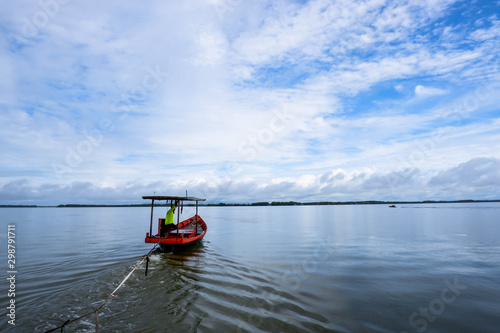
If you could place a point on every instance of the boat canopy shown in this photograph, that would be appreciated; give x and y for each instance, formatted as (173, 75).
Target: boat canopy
(173, 198)
(169, 197)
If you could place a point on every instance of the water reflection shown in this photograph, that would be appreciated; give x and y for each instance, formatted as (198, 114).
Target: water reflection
(329, 269)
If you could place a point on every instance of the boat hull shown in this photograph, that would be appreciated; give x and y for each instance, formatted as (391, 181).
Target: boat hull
(189, 231)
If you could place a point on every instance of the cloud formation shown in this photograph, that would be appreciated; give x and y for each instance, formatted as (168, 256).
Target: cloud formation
(421, 91)
(247, 100)
(477, 179)
(479, 176)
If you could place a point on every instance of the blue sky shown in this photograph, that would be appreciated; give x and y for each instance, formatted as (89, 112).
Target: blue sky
(244, 101)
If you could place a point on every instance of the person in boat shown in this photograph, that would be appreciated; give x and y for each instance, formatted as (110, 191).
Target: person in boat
(169, 221)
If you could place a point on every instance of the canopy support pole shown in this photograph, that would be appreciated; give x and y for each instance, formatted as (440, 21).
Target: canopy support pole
(178, 217)
(151, 221)
(196, 217)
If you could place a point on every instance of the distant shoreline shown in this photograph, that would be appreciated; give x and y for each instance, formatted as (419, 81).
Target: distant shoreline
(262, 203)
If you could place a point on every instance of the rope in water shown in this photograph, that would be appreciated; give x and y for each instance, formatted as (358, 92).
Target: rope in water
(96, 310)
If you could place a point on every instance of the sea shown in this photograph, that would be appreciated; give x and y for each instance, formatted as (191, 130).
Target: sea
(343, 268)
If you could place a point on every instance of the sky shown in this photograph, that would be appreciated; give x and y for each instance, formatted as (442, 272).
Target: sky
(242, 101)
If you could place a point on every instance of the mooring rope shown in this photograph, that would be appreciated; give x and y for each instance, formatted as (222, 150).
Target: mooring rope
(96, 310)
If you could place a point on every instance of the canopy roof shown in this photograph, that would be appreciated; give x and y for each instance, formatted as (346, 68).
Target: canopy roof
(169, 197)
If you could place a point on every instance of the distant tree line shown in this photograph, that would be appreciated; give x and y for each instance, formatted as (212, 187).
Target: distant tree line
(264, 203)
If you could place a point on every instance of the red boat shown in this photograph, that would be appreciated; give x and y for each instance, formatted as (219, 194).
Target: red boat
(186, 232)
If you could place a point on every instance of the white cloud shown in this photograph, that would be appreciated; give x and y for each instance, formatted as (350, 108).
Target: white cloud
(488, 34)
(479, 177)
(212, 47)
(421, 91)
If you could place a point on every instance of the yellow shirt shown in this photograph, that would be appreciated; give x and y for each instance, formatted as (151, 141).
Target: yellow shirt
(169, 218)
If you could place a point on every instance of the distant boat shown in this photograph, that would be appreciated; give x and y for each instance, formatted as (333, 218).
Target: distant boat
(186, 232)
(392, 206)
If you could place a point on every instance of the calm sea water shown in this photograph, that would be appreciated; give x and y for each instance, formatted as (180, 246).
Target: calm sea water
(415, 268)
